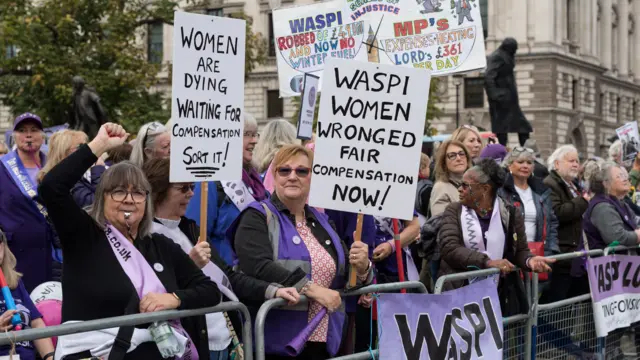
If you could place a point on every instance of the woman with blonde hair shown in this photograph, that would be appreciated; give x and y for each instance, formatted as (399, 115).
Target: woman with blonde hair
(470, 137)
(29, 315)
(61, 145)
(276, 134)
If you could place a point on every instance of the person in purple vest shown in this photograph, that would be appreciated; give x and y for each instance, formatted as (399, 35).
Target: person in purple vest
(22, 217)
(608, 218)
(282, 240)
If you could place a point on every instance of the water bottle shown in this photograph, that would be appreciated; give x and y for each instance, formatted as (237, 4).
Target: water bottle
(165, 339)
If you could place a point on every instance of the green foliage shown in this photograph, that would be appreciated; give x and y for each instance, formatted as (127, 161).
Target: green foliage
(433, 111)
(256, 46)
(100, 40)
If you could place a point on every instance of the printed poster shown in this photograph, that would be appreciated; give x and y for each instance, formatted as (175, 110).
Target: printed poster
(307, 36)
(369, 138)
(630, 141)
(465, 323)
(207, 98)
(308, 107)
(615, 291)
(444, 36)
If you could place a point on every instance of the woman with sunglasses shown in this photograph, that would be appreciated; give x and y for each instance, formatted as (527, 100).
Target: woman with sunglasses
(153, 140)
(113, 264)
(170, 204)
(532, 198)
(485, 231)
(282, 240)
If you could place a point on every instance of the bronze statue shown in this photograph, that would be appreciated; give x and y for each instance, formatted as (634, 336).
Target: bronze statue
(500, 85)
(88, 114)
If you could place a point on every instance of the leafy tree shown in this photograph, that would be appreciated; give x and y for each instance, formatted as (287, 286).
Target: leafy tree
(433, 111)
(50, 41)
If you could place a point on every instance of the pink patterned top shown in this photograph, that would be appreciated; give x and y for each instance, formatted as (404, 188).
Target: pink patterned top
(323, 270)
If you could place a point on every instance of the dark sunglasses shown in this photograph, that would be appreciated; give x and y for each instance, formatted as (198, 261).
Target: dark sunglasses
(520, 149)
(185, 188)
(285, 171)
(454, 155)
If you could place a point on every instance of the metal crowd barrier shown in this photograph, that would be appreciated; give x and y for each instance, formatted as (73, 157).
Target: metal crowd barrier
(516, 332)
(133, 320)
(261, 317)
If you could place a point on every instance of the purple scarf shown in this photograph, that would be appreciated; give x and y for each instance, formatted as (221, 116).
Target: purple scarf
(144, 279)
(252, 179)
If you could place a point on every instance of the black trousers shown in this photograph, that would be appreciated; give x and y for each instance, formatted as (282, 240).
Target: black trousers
(504, 137)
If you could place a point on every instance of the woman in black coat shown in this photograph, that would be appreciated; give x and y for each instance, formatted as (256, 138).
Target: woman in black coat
(113, 266)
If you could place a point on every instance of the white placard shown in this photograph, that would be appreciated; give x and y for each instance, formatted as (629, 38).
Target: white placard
(308, 106)
(207, 98)
(445, 37)
(369, 138)
(306, 36)
(630, 142)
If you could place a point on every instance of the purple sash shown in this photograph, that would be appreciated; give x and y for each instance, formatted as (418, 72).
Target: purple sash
(16, 169)
(144, 279)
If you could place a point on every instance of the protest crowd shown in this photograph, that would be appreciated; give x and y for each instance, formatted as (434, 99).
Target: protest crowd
(103, 223)
(101, 191)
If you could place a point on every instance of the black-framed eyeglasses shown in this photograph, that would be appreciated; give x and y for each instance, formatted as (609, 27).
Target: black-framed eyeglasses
(185, 188)
(152, 127)
(137, 196)
(454, 155)
(300, 171)
(252, 134)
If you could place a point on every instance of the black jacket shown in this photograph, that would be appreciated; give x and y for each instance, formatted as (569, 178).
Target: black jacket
(569, 211)
(95, 286)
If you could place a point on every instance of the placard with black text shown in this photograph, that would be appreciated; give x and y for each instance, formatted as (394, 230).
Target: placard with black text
(207, 98)
(368, 138)
(308, 106)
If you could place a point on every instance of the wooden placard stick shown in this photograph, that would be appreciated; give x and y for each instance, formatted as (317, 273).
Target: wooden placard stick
(356, 237)
(204, 196)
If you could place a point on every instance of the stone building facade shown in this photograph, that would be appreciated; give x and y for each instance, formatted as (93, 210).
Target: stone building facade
(577, 70)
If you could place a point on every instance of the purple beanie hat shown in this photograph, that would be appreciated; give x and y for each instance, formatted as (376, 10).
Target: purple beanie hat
(496, 152)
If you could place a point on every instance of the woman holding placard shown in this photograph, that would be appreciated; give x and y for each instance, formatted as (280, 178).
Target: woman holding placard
(226, 199)
(170, 203)
(113, 266)
(283, 240)
(484, 231)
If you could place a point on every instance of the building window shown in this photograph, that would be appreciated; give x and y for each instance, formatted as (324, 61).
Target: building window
(474, 92)
(602, 104)
(12, 51)
(272, 37)
(154, 43)
(575, 89)
(215, 12)
(484, 14)
(275, 105)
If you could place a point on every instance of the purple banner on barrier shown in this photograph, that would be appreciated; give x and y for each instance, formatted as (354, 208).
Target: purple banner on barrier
(613, 275)
(615, 290)
(459, 324)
